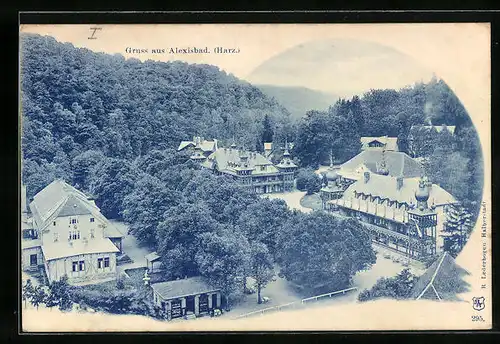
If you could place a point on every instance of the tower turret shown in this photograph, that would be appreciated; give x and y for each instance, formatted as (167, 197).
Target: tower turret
(198, 152)
(383, 170)
(422, 194)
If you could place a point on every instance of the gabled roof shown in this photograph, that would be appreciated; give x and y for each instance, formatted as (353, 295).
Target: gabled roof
(153, 256)
(228, 160)
(63, 248)
(386, 188)
(398, 164)
(60, 199)
(391, 143)
(183, 287)
(206, 146)
(73, 206)
(443, 280)
(439, 128)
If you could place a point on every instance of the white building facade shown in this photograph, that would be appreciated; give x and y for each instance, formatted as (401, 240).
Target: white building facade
(68, 235)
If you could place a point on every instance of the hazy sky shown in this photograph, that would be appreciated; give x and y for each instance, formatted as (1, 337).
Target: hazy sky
(314, 56)
(342, 67)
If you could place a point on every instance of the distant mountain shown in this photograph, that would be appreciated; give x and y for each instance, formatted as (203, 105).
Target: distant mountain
(344, 67)
(299, 100)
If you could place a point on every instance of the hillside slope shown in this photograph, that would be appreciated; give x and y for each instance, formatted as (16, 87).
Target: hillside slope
(299, 100)
(74, 100)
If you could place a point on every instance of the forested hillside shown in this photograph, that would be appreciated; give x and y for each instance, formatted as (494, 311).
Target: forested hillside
(75, 101)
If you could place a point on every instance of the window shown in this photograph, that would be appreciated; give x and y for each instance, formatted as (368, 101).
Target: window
(81, 265)
(99, 263)
(75, 266)
(92, 232)
(73, 235)
(54, 223)
(91, 219)
(106, 262)
(56, 237)
(33, 260)
(73, 221)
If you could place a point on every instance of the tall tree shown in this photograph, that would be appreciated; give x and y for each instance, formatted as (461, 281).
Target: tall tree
(82, 165)
(145, 205)
(111, 180)
(267, 133)
(179, 237)
(223, 258)
(457, 229)
(27, 291)
(261, 267)
(262, 221)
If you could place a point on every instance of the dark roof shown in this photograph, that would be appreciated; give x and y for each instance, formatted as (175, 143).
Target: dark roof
(73, 206)
(398, 163)
(183, 287)
(228, 160)
(443, 280)
(153, 256)
(391, 143)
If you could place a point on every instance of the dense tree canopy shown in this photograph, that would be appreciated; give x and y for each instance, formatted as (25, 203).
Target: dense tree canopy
(75, 100)
(321, 253)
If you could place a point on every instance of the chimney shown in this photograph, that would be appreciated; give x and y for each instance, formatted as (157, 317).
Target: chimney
(367, 176)
(399, 182)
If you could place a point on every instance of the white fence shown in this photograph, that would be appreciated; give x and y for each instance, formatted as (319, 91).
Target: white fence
(293, 305)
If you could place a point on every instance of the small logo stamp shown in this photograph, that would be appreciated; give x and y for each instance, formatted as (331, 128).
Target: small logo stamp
(478, 303)
(94, 29)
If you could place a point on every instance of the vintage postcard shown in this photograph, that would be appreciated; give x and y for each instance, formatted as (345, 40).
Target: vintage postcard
(255, 177)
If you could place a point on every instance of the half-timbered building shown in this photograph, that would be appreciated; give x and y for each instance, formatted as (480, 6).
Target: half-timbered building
(250, 169)
(404, 214)
(68, 235)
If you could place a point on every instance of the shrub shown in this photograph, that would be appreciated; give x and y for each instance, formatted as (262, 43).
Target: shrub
(120, 283)
(308, 180)
(398, 287)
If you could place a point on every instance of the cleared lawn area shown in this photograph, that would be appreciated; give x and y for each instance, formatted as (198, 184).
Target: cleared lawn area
(137, 274)
(311, 201)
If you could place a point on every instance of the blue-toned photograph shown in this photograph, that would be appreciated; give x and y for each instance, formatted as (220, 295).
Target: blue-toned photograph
(176, 190)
